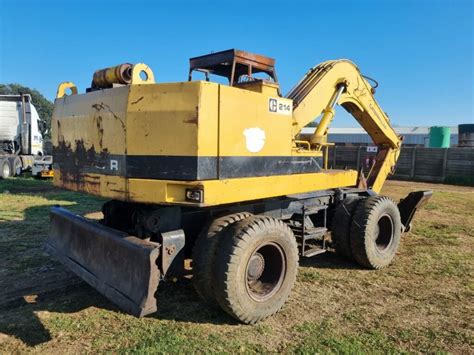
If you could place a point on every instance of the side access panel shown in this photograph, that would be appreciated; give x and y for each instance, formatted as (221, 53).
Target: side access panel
(172, 131)
(89, 142)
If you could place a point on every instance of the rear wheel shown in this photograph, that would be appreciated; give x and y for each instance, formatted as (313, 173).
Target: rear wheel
(204, 254)
(256, 269)
(375, 232)
(5, 169)
(341, 226)
(16, 166)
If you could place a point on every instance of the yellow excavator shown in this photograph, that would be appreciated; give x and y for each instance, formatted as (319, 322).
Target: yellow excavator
(214, 179)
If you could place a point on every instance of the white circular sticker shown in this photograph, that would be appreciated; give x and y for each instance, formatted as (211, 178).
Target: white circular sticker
(255, 139)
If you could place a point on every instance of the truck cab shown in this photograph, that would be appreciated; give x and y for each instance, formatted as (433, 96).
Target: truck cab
(21, 142)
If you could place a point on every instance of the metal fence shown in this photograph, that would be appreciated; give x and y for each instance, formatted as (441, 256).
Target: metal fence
(450, 165)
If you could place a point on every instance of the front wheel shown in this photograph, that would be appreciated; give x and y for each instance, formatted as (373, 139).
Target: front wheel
(375, 232)
(204, 254)
(5, 169)
(256, 268)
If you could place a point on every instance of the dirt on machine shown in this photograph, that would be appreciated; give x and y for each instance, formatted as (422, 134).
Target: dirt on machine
(214, 173)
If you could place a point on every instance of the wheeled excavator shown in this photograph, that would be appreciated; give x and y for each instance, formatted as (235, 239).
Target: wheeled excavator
(213, 180)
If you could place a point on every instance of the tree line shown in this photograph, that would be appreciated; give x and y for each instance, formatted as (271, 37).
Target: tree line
(42, 104)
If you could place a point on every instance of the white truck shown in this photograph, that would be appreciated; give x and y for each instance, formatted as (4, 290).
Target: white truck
(21, 142)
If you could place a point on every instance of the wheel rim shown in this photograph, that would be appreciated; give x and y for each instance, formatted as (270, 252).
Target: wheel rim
(384, 233)
(6, 170)
(265, 271)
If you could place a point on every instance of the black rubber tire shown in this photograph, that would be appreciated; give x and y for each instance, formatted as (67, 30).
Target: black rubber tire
(16, 166)
(241, 242)
(375, 232)
(341, 226)
(204, 253)
(5, 169)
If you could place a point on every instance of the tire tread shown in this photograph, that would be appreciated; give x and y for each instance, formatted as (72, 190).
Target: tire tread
(204, 254)
(341, 226)
(228, 261)
(366, 214)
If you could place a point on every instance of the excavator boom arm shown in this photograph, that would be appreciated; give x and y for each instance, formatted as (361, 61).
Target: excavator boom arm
(340, 81)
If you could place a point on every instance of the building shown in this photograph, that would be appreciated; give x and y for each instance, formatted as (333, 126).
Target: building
(412, 136)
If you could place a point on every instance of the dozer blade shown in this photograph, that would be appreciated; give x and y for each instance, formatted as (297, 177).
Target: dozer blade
(410, 204)
(121, 267)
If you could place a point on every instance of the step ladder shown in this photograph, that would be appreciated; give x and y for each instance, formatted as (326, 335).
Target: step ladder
(304, 234)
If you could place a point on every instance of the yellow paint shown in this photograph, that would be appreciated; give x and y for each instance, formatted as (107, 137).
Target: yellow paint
(113, 187)
(97, 119)
(47, 173)
(63, 87)
(137, 70)
(357, 99)
(173, 119)
(207, 119)
(241, 110)
(218, 192)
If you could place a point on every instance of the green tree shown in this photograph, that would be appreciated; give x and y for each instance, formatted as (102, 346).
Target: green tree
(42, 104)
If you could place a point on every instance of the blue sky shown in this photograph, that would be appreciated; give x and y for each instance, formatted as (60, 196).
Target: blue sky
(420, 51)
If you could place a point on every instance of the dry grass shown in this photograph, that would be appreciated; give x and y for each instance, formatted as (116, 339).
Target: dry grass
(423, 302)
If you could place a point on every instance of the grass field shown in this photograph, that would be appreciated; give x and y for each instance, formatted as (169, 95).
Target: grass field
(423, 302)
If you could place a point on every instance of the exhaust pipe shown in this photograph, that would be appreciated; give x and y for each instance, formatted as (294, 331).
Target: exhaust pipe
(105, 78)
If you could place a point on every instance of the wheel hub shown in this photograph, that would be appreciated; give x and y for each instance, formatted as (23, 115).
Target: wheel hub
(384, 232)
(256, 267)
(266, 270)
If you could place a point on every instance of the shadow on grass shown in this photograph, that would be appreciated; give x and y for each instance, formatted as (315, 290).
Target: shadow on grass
(18, 317)
(180, 302)
(56, 290)
(26, 270)
(329, 260)
(176, 301)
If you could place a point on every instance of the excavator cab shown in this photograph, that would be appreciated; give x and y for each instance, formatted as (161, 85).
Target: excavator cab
(237, 66)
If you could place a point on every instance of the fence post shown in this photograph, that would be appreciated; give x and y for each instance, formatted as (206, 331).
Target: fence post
(413, 159)
(445, 164)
